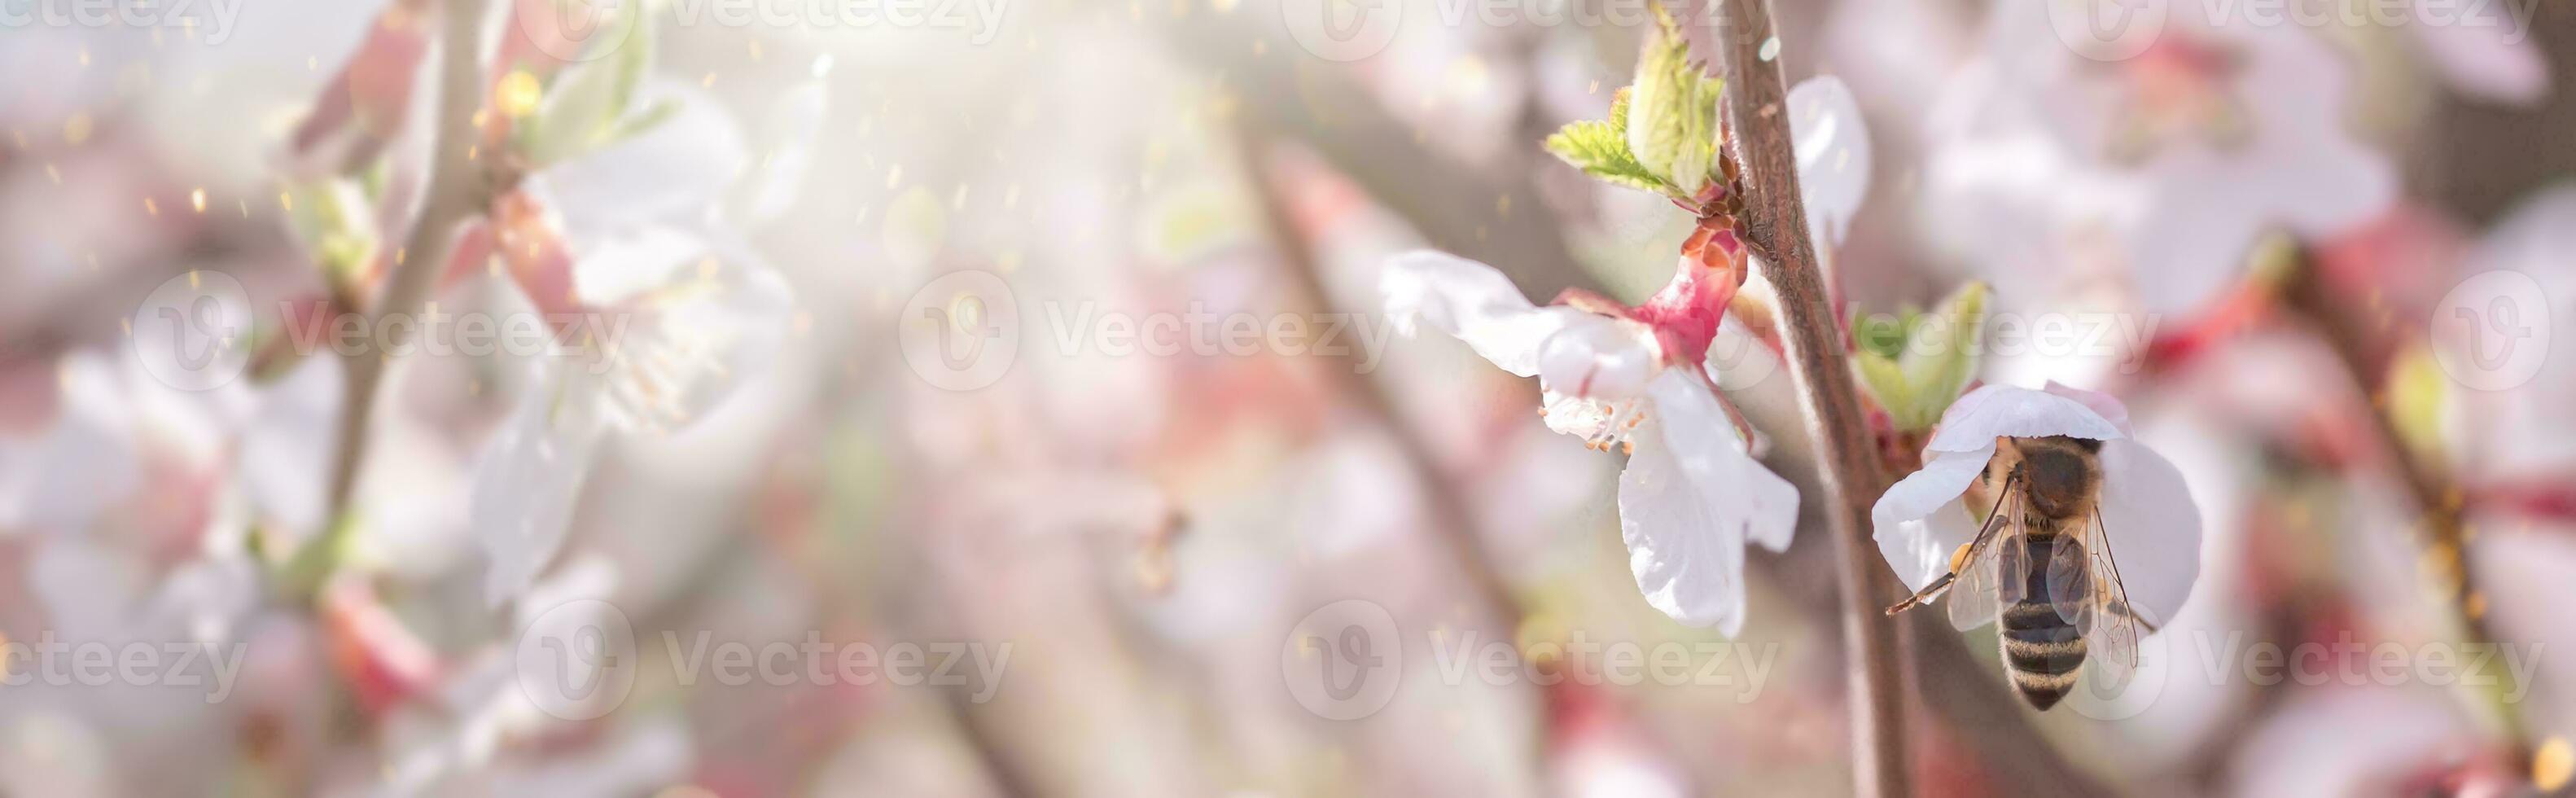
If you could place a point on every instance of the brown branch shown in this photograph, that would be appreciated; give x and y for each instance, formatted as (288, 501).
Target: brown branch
(1774, 226)
(1492, 216)
(1451, 518)
(454, 193)
(2360, 347)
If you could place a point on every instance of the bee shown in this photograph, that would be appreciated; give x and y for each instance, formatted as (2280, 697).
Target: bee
(2042, 569)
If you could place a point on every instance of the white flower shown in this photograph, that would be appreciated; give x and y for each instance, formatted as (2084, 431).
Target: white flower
(1832, 145)
(1691, 495)
(2153, 525)
(633, 233)
(2175, 161)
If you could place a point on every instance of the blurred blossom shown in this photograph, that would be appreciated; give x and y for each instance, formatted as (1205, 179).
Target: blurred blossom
(2366, 741)
(2521, 431)
(632, 230)
(750, 210)
(2484, 52)
(2158, 172)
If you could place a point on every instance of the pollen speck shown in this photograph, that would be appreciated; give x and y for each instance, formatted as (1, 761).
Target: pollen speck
(77, 128)
(518, 94)
(2553, 765)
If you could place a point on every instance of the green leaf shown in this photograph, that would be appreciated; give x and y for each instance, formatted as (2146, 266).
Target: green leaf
(1939, 362)
(1671, 119)
(1916, 364)
(634, 60)
(576, 115)
(1885, 382)
(1597, 148)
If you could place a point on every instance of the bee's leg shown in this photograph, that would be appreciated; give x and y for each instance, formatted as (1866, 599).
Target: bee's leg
(2123, 608)
(1966, 554)
(1928, 593)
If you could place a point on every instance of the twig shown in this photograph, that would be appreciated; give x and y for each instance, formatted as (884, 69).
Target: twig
(1496, 217)
(453, 194)
(1451, 518)
(1774, 226)
(2358, 346)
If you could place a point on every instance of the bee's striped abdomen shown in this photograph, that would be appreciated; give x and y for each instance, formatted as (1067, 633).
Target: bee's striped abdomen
(2041, 650)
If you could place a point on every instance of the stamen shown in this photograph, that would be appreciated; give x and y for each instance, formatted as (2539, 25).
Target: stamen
(1620, 421)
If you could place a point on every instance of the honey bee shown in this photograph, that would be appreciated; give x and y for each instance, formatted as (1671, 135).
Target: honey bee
(2041, 567)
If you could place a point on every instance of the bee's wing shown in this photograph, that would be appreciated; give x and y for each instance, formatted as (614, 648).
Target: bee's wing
(2084, 585)
(1992, 574)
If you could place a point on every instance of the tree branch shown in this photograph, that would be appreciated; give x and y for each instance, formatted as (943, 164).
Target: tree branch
(454, 193)
(2360, 348)
(1758, 125)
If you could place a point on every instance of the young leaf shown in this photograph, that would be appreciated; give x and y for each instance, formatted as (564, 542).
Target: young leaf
(1597, 148)
(1939, 363)
(1672, 112)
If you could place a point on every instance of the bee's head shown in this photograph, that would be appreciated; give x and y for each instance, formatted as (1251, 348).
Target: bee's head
(2062, 473)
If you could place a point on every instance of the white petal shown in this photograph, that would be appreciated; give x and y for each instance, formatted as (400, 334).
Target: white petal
(1920, 520)
(87, 589)
(1832, 144)
(1972, 423)
(705, 314)
(1688, 501)
(1710, 449)
(2154, 528)
(288, 446)
(526, 482)
(672, 173)
(1472, 302)
(2102, 404)
(787, 134)
(2485, 60)
(86, 461)
(1598, 357)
